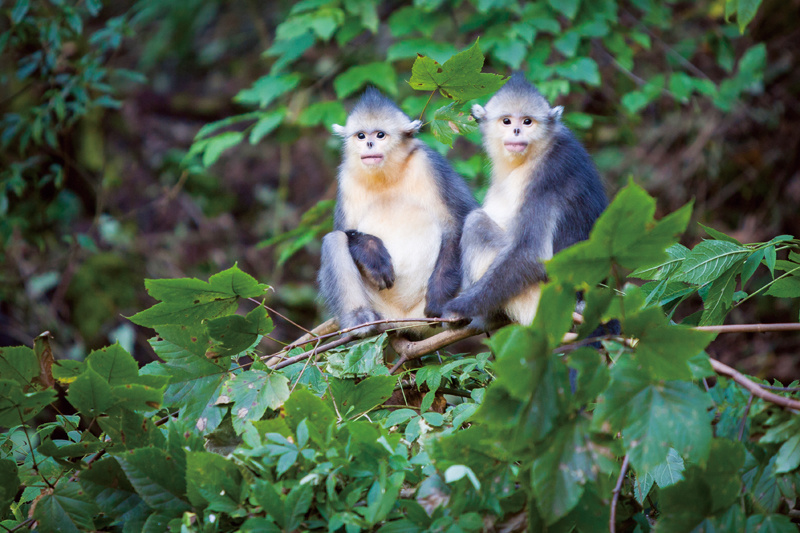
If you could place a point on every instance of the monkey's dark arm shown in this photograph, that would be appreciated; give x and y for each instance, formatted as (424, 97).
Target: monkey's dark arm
(446, 277)
(372, 258)
(518, 265)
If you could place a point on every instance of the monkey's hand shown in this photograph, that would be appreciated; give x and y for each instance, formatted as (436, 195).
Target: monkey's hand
(372, 258)
(462, 309)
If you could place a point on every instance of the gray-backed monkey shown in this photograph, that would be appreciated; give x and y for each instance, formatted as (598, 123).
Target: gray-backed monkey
(394, 251)
(545, 195)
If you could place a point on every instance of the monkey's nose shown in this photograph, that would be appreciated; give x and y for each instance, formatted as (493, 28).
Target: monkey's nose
(516, 131)
(369, 144)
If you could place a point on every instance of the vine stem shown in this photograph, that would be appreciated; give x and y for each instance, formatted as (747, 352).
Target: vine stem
(612, 526)
(422, 115)
(751, 328)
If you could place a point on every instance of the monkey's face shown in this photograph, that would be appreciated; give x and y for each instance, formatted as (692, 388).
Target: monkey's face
(371, 147)
(513, 134)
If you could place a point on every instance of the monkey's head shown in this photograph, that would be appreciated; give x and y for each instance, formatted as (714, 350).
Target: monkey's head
(376, 132)
(516, 118)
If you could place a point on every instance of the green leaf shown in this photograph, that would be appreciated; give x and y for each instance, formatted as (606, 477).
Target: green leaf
(213, 480)
(115, 365)
(382, 75)
(720, 297)
(303, 405)
(710, 260)
(751, 264)
(670, 471)
(297, 504)
(775, 523)
(159, 478)
(106, 484)
(649, 415)
(521, 359)
(770, 257)
(788, 287)
(266, 89)
(681, 85)
(449, 121)
(19, 11)
(235, 333)
(723, 472)
(361, 359)
(559, 300)
(9, 484)
(251, 393)
(353, 399)
(210, 128)
(267, 122)
(325, 113)
(685, 504)
(581, 69)
(569, 8)
(195, 381)
(189, 301)
(409, 48)
(18, 363)
(561, 471)
(66, 509)
(460, 77)
(91, 394)
(788, 457)
(511, 52)
(212, 148)
(746, 10)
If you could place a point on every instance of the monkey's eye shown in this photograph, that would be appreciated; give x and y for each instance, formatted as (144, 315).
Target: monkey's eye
(506, 121)
(361, 135)
(527, 122)
(381, 135)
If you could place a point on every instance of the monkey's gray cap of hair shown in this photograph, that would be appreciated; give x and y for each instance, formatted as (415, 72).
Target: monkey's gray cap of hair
(519, 96)
(374, 111)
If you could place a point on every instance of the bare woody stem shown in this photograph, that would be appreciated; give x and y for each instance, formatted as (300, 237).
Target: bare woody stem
(756, 389)
(612, 526)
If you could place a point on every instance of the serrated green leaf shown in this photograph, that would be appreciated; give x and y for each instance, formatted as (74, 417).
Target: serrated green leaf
(267, 88)
(670, 471)
(685, 504)
(66, 509)
(195, 381)
(775, 523)
(521, 359)
(90, 394)
(512, 52)
(252, 393)
(325, 113)
(449, 121)
(720, 297)
(358, 398)
(9, 483)
(709, 260)
(212, 481)
(18, 363)
(159, 478)
(361, 359)
(115, 365)
(569, 8)
(106, 484)
(235, 333)
(788, 457)
(65, 448)
(297, 504)
(561, 471)
(648, 414)
(303, 405)
(460, 77)
(380, 74)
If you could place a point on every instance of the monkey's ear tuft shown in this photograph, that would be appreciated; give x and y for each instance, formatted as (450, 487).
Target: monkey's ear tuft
(412, 127)
(339, 130)
(479, 112)
(555, 113)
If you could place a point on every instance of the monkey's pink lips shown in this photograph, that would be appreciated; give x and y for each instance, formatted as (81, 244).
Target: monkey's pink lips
(516, 147)
(371, 159)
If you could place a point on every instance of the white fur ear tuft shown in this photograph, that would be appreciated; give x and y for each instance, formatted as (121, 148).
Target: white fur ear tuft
(479, 112)
(339, 130)
(412, 127)
(555, 113)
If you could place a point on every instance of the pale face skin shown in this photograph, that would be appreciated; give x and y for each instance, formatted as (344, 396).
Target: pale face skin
(371, 146)
(516, 132)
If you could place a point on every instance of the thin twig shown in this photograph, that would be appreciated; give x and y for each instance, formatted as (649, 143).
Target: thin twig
(753, 387)
(612, 526)
(286, 318)
(318, 349)
(19, 526)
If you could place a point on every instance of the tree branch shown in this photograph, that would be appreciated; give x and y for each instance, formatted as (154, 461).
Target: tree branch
(756, 389)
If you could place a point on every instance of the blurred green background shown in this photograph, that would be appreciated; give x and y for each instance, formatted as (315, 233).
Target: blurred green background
(104, 180)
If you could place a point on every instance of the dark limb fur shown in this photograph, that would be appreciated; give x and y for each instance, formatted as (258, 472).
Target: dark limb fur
(446, 277)
(372, 258)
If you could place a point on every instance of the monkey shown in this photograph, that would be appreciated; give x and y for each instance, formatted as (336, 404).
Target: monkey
(545, 195)
(394, 249)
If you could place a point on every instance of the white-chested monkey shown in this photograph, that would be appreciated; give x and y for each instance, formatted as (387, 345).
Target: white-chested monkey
(545, 195)
(394, 251)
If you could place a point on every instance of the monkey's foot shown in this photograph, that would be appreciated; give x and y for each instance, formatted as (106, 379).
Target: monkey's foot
(362, 315)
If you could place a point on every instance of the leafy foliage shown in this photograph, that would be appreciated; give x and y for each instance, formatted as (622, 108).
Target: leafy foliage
(210, 438)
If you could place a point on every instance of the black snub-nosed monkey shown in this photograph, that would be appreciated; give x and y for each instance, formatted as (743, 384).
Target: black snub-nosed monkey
(394, 251)
(545, 195)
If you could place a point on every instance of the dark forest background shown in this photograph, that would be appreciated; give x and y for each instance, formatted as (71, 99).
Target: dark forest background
(101, 104)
